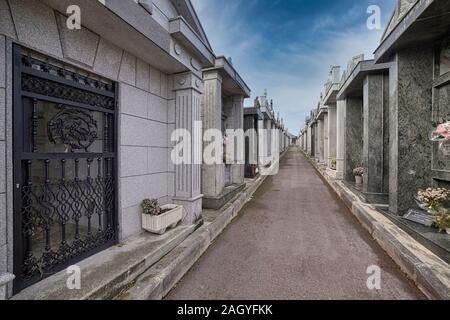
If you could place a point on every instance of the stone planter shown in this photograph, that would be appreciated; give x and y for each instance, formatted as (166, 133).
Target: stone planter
(159, 224)
(358, 179)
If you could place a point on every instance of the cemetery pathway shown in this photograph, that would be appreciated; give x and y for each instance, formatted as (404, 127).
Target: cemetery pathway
(294, 240)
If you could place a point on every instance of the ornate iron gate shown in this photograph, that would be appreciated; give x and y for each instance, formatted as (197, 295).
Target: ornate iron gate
(64, 166)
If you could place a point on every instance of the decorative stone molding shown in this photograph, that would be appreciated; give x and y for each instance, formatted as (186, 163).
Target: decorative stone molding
(403, 7)
(177, 49)
(188, 80)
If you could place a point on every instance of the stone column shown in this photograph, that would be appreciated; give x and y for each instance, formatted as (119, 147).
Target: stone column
(340, 141)
(269, 140)
(319, 140)
(305, 140)
(374, 133)
(325, 138)
(188, 94)
(353, 136)
(213, 176)
(237, 123)
(280, 143)
(308, 140)
(410, 94)
(332, 139)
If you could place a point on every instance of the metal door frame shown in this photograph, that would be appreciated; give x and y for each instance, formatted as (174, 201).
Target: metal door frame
(87, 85)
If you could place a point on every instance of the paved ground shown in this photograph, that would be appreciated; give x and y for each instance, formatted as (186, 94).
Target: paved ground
(294, 240)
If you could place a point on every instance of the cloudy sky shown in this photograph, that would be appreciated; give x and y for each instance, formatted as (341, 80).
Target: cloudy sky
(288, 46)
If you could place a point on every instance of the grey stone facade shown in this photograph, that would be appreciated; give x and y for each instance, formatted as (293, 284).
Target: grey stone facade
(157, 61)
(417, 94)
(385, 109)
(223, 109)
(367, 86)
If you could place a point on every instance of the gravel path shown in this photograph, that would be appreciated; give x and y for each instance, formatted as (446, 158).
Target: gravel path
(294, 240)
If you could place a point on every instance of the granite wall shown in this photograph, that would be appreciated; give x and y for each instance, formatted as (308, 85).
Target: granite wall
(376, 131)
(340, 138)
(353, 136)
(213, 176)
(332, 133)
(441, 110)
(146, 107)
(410, 126)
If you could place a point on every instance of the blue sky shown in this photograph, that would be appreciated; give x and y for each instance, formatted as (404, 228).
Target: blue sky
(288, 46)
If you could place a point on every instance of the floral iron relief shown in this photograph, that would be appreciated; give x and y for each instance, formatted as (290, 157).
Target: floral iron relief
(76, 129)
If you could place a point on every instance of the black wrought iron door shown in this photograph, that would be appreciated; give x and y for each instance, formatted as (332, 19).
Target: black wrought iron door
(64, 166)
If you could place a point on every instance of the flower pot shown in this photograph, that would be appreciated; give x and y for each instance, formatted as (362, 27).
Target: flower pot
(159, 224)
(358, 179)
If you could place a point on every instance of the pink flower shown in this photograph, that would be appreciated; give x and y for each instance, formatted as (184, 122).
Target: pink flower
(444, 130)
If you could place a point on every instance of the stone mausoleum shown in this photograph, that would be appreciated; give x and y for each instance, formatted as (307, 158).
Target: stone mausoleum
(386, 111)
(86, 123)
(223, 109)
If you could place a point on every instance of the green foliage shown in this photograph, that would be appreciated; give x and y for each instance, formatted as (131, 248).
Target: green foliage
(442, 220)
(151, 207)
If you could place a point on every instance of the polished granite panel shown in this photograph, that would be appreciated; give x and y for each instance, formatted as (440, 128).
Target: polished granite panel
(353, 136)
(373, 133)
(386, 107)
(410, 125)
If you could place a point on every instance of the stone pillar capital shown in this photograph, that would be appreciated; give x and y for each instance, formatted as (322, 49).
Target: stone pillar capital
(212, 75)
(187, 80)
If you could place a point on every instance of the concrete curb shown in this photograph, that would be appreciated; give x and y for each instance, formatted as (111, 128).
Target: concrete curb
(156, 282)
(430, 273)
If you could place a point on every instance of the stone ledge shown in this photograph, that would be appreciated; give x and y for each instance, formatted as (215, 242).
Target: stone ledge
(218, 202)
(105, 274)
(429, 272)
(157, 281)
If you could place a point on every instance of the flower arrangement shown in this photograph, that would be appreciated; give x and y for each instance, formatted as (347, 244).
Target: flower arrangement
(441, 132)
(358, 172)
(433, 198)
(151, 207)
(442, 221)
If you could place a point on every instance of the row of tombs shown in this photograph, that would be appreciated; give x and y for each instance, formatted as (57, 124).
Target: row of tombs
(87, 123)
(382, 125)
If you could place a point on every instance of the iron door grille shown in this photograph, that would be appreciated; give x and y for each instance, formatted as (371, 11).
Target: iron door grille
(64, 166)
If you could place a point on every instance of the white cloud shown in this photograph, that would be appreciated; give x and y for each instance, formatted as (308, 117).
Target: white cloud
(296, 71)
